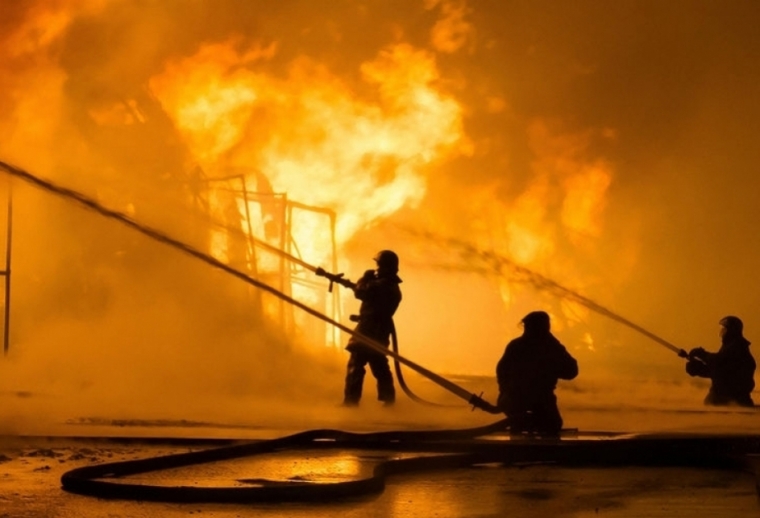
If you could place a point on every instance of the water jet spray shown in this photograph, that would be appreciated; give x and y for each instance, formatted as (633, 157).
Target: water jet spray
(157, 235)
(496, 264)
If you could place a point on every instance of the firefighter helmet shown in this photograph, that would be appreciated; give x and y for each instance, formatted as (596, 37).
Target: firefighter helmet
(387, 260)
(732, 324)
(536, 322)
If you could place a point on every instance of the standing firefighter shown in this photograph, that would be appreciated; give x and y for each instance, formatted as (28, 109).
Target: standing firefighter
(731, 369)
(527, 374)
(380, 295)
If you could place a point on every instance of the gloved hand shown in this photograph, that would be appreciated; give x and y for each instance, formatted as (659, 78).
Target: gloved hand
(697, 352)
(697, 367)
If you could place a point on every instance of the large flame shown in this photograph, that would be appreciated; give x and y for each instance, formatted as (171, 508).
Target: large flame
(211, 97)
(313, 135)
(315, 143)
(563, 202)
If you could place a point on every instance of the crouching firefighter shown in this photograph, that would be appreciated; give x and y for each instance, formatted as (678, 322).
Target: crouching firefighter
(380, 296)
(528, 373)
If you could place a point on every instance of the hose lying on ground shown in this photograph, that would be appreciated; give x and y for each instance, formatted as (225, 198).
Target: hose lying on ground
(444, 449)
(88, 480)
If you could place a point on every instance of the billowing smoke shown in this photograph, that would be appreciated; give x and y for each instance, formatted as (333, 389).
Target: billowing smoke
(604, 147)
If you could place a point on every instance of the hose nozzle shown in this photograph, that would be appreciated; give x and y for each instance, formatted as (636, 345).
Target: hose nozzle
(478, 402)
(333, 278)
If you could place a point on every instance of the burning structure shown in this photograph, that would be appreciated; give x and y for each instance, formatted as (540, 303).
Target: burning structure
(517, 156)
(451, 132)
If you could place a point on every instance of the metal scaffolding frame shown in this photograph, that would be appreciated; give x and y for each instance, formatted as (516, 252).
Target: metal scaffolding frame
(306, 277)
(288, 273)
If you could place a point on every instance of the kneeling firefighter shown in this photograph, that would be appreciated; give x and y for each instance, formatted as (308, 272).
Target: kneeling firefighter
(528, 373)
(380, 296)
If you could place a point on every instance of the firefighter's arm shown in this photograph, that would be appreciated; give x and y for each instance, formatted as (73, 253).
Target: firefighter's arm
(567, 366)
(699, 353)
(696, 367)
(363, 286)
(335, 278)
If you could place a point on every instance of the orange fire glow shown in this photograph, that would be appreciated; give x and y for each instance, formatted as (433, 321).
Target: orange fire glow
(359, 146)
(565, 198)
(311, 135)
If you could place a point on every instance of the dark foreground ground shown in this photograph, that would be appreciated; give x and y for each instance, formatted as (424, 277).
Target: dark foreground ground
(31, 467)
(30, 488)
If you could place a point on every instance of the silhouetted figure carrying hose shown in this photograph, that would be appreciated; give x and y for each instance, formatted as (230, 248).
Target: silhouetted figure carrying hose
(731, 369)
(528, 373)
(380, 295)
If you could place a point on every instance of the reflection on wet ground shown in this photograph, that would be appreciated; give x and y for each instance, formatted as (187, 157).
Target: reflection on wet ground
(31, 467)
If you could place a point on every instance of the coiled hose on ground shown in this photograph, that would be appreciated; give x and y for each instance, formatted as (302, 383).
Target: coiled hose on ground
(444, 449)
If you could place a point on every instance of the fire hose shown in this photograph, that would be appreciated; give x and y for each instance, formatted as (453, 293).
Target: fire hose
(92, 204)
(448, 446)
(443, 449)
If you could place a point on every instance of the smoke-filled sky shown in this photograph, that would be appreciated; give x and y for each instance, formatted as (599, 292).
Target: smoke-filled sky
(607, 146)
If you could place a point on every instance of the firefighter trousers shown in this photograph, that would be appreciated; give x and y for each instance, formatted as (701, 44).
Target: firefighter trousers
(378, 364)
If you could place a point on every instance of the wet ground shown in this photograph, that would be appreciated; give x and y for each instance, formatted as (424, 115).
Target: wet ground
(31, 468)
(29, 488)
